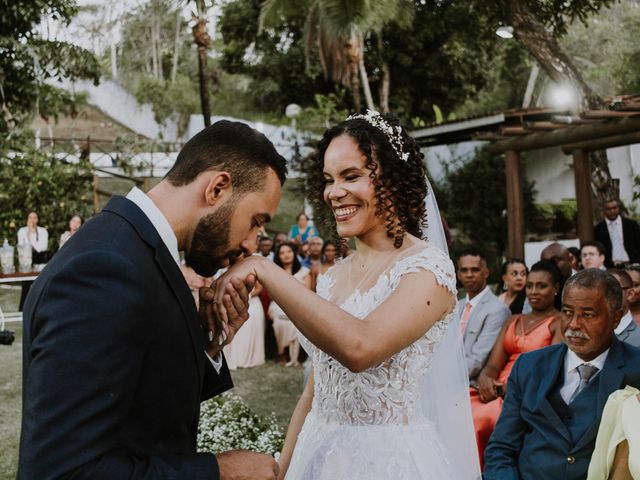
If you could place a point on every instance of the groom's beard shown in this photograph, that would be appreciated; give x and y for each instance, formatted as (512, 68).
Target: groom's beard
(210, 244)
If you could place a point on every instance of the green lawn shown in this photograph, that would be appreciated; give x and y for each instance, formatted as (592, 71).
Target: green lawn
(266, 389)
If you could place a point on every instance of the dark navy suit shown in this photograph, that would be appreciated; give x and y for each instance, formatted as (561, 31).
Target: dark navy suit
(537, 435)
(114, 363)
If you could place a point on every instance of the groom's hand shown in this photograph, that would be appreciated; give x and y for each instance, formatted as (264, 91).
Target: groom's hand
(245, 465)
(220, 323)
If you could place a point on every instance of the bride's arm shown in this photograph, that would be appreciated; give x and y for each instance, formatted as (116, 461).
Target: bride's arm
(416, 304)
(295, 425)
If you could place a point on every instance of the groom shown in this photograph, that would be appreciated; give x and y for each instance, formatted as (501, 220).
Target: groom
(115, 361)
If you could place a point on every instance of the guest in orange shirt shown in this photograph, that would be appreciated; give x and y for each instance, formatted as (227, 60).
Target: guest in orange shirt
(520, 334)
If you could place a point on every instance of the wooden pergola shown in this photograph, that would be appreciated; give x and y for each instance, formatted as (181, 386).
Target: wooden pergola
(516, 131)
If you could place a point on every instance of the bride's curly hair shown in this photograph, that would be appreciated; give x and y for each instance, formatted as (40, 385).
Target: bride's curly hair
(400, 186)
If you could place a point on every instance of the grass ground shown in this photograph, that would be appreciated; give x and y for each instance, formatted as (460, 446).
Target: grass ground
(266, 389)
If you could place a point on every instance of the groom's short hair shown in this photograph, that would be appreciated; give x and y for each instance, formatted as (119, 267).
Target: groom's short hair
(231, 146)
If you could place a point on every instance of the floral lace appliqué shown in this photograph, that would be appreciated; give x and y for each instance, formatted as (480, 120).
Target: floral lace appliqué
(387, 394)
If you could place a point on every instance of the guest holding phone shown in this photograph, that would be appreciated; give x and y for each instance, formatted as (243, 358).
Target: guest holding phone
(520, 334)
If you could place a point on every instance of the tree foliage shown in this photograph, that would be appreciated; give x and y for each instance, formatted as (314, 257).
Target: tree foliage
(473, 200)
(273, 59)
(450, 54)
(27, 60)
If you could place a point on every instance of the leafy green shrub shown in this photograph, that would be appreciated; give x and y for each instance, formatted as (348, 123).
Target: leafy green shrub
(545, 211)
(227, 423)
(566, 215)
(473, 200)
(33, 180)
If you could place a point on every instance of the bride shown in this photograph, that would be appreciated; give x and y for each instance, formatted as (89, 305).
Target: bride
(388, 394)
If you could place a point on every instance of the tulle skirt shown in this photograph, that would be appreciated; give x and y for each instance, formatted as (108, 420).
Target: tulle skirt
(371, 452)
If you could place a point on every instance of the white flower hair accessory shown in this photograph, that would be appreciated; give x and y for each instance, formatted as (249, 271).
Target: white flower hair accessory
(393, 133)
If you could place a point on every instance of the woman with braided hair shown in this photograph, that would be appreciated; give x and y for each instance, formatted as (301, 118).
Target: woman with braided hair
(388, 395)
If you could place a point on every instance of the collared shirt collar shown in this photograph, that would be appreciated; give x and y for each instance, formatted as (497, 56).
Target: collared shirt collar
(625, 321)
(157, 219)
(572, 361)
(612, 223)
(475, 300)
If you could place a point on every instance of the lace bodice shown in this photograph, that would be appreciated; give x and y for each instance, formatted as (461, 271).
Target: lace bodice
(387, 394)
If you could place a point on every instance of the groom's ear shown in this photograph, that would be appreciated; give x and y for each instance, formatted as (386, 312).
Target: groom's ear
(218, 188)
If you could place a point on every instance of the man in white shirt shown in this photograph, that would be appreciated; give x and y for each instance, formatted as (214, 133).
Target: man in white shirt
(555, 395)
(116, 357)
(627, 330)
(620, 236)
(481, 313)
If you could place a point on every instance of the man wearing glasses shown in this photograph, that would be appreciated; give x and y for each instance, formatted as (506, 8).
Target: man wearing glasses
(592, 255)
(627, 330)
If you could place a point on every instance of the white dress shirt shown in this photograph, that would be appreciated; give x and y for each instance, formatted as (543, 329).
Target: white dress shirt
(618, 252)
(475, 300)
(625, 321)
(39, 241)
(167, 235)
(571, 375)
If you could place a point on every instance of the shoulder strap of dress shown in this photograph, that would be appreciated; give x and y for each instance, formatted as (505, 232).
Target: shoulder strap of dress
(430, 258)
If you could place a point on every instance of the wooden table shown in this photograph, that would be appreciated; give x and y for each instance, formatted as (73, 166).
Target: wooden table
(18, 277)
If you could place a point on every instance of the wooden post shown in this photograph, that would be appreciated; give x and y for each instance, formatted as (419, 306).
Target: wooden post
(515, 205)
(582, 176)
(96, 197)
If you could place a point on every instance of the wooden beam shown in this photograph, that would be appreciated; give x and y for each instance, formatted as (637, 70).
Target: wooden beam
(563, 136)
(515, 205)
(608, 114)
(603, 143)
(582, 176)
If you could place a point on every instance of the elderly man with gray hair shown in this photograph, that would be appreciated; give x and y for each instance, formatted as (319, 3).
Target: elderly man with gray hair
(555, 395)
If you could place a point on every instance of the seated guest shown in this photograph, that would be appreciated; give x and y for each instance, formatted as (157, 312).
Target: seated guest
(627, 330)
(555, 395)
(482, 315)
(617, 452)
(633, 269)
(521, 333)
(574, 252)
(592, 255)
(327, 260)
(75, 222)
(302, 230)
(285, 331)
(303, 254)
(514, 277)
(278, 239)
(265, 244)
(559, 254)
(38, 238)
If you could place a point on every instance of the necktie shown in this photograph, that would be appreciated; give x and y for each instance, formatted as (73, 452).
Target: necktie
(618, 253)
(585, 371)
(465, 317)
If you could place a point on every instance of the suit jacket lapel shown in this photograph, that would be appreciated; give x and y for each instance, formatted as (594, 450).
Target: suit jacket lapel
(139, 221)
(476, 317)
(549, 381)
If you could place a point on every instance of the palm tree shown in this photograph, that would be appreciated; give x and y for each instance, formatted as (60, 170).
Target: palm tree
(203, 41)
(337, 28)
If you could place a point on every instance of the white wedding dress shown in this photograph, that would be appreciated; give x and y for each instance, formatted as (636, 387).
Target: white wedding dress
(372, 425)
